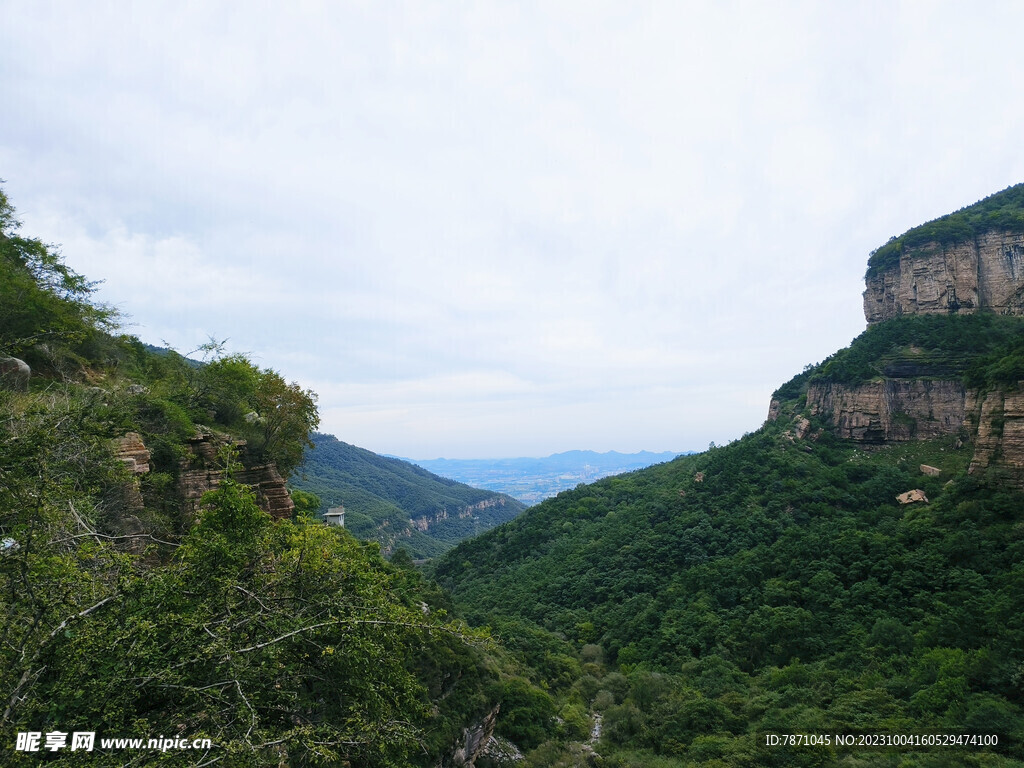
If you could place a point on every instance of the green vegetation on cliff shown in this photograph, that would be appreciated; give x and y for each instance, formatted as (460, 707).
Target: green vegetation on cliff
(982, 350)
(1003, 210)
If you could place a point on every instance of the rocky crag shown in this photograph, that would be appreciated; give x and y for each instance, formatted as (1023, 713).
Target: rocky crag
(200, 473)
(892, 410)
(985, 272)
(969, 262)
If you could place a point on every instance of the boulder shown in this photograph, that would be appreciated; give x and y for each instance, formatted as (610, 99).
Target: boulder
(911, 496)
(14, 374)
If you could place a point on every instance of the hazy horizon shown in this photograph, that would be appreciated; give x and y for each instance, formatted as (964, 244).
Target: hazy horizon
(504, 230)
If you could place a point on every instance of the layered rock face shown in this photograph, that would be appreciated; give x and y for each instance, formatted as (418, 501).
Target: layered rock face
(984, 272)
(999, 442)
(199, 475)
(424, 522)
(892, 410)
(133, 452)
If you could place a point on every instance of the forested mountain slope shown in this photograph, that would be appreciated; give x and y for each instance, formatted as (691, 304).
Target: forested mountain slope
(778, 585)
(397, 503)
(144, 593)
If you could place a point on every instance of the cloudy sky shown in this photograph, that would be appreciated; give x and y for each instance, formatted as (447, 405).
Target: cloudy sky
(495, 229)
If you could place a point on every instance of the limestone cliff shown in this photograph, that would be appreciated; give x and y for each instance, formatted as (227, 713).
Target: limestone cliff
(984, 272)
(424, 522)
(891, 410)
(904, 380)
(999, 442)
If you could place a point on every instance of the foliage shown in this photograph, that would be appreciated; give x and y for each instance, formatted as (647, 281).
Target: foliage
(786, 591)
(1003, 210)
(983, 350)
(284, 642)
(42, 300)
(275, 417)
(288, 641)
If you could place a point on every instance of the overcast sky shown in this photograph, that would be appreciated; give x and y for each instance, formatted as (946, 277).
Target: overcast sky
(497, 229)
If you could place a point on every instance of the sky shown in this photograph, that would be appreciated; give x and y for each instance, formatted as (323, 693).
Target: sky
(504, 229)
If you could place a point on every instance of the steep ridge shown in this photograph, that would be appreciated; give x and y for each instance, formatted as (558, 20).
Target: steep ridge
(967, 261)
(397, 503)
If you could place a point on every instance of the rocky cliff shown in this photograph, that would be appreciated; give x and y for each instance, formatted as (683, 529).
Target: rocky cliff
(424, 522)
(904, 378)
(199, 474)
(999, 440)
(984, 272)
(892, 410)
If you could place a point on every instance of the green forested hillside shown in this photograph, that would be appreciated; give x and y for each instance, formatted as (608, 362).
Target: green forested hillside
(775, 585)
(983, 350)
(125, 614)
(381, 495)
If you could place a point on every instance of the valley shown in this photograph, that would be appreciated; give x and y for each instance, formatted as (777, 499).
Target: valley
(853, 566)
(531, 480)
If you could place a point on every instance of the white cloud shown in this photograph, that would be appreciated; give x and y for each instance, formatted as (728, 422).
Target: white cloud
(503, 229)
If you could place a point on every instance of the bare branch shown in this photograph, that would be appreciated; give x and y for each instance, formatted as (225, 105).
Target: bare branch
(93, 534)
(80, 614)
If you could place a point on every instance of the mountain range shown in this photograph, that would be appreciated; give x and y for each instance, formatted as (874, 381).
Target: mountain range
(842, 586)
(531, 480)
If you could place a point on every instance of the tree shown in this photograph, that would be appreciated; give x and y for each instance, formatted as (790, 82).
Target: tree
(274, 416)
(42, 300)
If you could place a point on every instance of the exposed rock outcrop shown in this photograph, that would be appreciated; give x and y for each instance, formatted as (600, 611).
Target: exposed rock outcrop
(986, 271)
(133, 452)
(423, 523)
(911, 496)
(474, 741)
(199, 475)
(892, 410)
(999, 442)
(14, 374)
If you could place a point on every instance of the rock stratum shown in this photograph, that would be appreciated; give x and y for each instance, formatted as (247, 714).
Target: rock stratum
(201, 472)
(967, 263)
(892, 410)
(985, 272)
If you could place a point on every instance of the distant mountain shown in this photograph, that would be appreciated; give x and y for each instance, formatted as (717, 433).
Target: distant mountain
(395, 502)
(531, 480)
